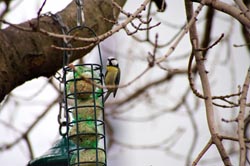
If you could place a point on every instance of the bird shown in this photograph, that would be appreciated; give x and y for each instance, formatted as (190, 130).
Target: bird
(161, 5)
(112, 76)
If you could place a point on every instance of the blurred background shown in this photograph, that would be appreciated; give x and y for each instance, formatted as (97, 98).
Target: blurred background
(156, 120)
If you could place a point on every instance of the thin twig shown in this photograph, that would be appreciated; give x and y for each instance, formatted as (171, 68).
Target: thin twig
(92, 40)
(203, 151)
(233, 139)
(195, 134)
(142, 89)
(170, 141)
(225, 106)
(110, 86)
(190, 78)
(25, 133)
(39, 14)
(181, 35)
(212, 45)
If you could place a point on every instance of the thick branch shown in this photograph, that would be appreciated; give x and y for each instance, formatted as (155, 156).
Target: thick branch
(27, 55)
(226, 8)
(205, 86)
(241, 117)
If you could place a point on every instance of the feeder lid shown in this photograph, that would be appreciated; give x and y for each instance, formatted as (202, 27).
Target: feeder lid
(55, 156)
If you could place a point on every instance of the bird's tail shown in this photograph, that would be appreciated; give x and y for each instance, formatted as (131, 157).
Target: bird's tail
(107, 96)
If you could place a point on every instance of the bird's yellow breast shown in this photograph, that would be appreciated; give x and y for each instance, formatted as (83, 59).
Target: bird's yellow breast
(111, 75)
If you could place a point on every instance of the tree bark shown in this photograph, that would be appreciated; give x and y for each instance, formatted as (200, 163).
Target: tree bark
(26, 55)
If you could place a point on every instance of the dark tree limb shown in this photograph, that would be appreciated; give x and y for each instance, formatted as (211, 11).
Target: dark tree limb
(25, 55)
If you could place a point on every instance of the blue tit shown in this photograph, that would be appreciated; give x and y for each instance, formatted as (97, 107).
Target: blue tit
(161, 5)
(112, 76)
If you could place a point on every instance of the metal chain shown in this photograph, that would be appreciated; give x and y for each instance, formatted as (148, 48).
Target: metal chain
(62, 117)
(58, 19)
(80, 20)
(64, 27)
(58, 77)
(80, 14)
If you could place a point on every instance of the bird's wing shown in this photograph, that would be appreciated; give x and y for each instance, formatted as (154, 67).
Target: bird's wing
(107, 95)
(117, 80)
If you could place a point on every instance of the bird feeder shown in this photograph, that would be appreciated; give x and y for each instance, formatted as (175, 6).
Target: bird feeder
(85, 113)
(83, 139)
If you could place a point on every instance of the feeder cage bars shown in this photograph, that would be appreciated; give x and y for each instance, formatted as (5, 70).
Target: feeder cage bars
(83, 97)
(84, 105)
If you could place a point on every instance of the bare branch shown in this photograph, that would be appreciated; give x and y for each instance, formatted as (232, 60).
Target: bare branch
(204, 150)
(24, 134)
(206, 86)
(226, 8)
(240, 119)
(211, 46)
(181, 35)
(243, 7)
(170, 141)
(190, 78)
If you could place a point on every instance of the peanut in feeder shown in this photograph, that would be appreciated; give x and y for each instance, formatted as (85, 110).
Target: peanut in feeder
(84, 135)
(81, 80)
(81, 86)
(87, 108)
(88, 158)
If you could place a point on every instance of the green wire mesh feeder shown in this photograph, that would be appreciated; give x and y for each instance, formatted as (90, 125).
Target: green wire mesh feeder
(83, 97)
(85, 107)
(83, 140)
